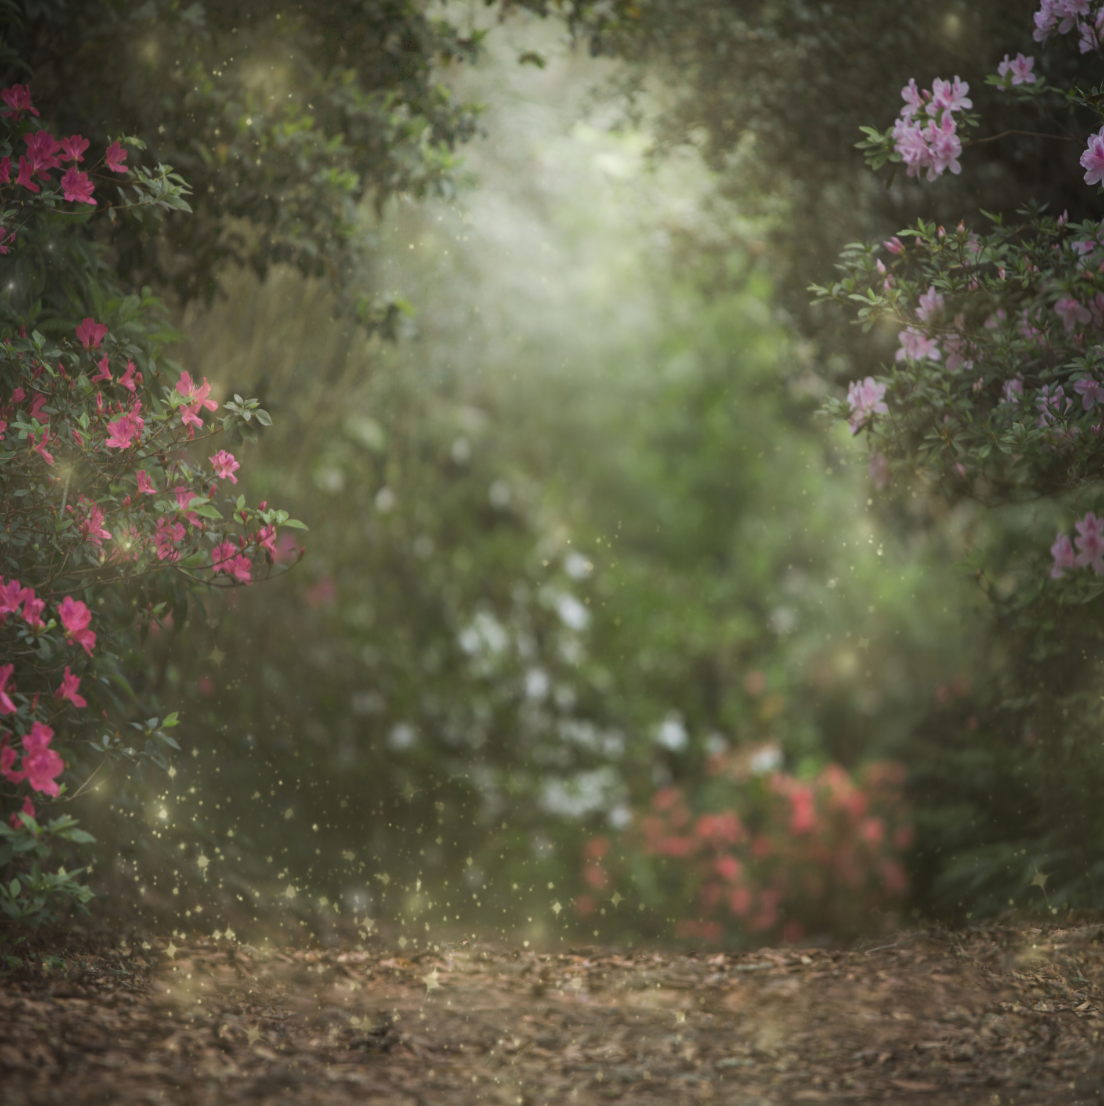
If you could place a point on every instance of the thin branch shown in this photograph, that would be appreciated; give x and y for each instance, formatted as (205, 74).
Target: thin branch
(1024, 134)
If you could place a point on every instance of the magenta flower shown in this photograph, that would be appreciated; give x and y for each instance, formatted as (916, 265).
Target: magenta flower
(32, 610)
(917, 346)
(75, 617)
(1020, 69)
(266, 539)
(123, 430)
(6, 705)
(931, 304)
(127, 379)
(26, 174)
(225, 466)
(91, 333)
(41, 765)
(18, 99)
(12, 595)
(104, 373)
(76, 186)
(865, 398)
(7, 762)
(950, 95)
(16, 820)
(145, 487)
(1072, 312)
(5, 170)
(91, 525)
(1090, 543)
(73, 148)
(69, 689)
(115, 157)
(42, 152)
(1092, 160)
(226, 558)
(1062, 552)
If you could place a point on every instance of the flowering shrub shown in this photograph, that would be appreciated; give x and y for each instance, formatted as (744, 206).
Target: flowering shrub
(106, 499)
(787, 858)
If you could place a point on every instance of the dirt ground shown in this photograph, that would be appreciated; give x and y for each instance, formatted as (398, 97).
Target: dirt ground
(994, 1015)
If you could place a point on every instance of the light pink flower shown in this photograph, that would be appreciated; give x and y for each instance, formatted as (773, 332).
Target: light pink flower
(114, 158)
(945, 146)
(1089, 40)
(1020, 68)
(75, 617)
(1050, 402)
(913, 100)
(69, 689)
(76, 186)
(91, 333)
(225, 466)
(865, 398)
(41, 765)
(950, 95)
(1012, 390)
(1072, 312)
(1064, 557)
(6, 705)
(1092, 160)
(894, 245)
(931, 304)
(1091, 392)
(917, 346)
(1090, 542)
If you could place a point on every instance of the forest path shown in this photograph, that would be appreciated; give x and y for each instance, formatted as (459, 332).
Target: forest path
(992, 1015)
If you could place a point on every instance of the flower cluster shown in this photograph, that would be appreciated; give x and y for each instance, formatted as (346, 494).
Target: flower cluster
(1064, 16)
(1090, 548)
(926, 134)
(788, 856)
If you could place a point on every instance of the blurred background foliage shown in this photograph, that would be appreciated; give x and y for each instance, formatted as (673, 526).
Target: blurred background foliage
(550, 413)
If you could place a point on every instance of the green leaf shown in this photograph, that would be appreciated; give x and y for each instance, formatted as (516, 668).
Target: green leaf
(207, 511)
(295, 524)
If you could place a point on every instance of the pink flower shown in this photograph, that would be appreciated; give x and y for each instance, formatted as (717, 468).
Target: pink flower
(32, 610)
(1072, 312)
(91, 333)
(917, 346)
(1092, 160)
(144, 484)
(865, 398)
(127, 379)
(1050, 402)
(7, 238)
(5, 170)
(1089, 40)
(1064, 557)
(12, 595)
(104, 373)
(225, 466)
(75, 617)
(124, 429)
(168, 532)
(879, 470)
(92, 524)
(16, 820)
(931, 304)
(266, 539)
(950, 95)
(41, 765)
(1020, 68)
(115, 157)
(1012, 390)
(40, 447)
(945, 146)
(913, 100)
(76, 186)
(6, 705)
(1090, 542)
(74, 147)
(18, 99)
(803, 816)
(226, 558)
(196, 394)
(7, 762)
(69, 689)
(1091, 392)
(894, 245)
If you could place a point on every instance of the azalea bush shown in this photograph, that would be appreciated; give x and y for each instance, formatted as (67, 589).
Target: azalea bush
(109, 480)
(758, 854)
(993, 398)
